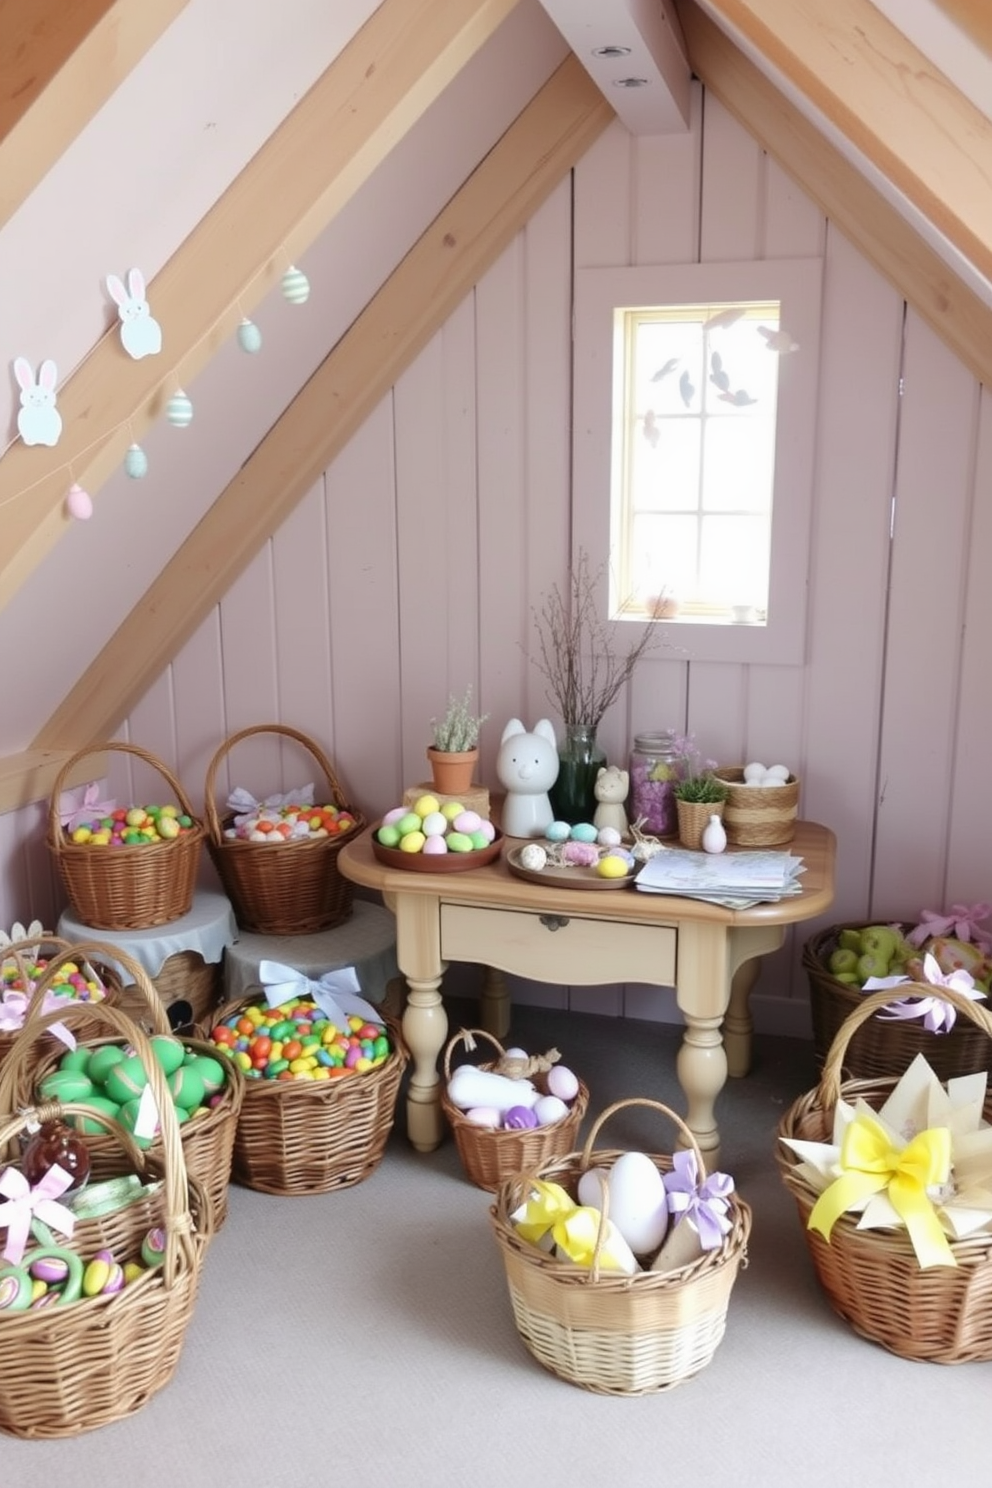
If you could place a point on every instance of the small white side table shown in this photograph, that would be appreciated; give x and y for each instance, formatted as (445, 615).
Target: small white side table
(183, 958)
(366, 941)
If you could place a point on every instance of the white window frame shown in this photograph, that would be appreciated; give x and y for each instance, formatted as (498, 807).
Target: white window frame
(797, 284)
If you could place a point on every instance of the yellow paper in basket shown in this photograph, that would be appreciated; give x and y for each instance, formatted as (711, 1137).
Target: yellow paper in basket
(575, 1237)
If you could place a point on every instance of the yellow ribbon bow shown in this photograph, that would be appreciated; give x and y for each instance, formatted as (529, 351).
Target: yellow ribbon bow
(547, 1204)
(870, 1163)
(576, 1234)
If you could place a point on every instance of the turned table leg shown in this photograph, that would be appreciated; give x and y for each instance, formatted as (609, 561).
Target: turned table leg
(425, 1028)
(702, 1072)
(494, 1004)
(738, 1026)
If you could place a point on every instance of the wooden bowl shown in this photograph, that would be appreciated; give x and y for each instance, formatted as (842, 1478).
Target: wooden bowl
(450, 862)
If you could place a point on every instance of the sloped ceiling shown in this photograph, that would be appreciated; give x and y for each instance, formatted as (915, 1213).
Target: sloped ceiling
(889, 144)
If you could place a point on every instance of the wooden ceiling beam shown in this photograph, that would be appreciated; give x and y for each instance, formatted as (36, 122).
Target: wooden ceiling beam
(974, 17)
(465, 239)
(884, 96)
(59, 63)
(876, 228)
(373, 92)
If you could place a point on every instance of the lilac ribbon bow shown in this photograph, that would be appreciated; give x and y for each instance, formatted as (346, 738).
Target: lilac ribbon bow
(244, 805)
(76, 811)
(25, 1203)
(705, 1204)
(14, 1009)
(334, 993)
(937, 1015)
(961, 921)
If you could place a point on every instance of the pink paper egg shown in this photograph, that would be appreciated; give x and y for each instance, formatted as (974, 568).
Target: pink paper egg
(467, 821)
(484, 1116)
(562, 1083)
(79, 504)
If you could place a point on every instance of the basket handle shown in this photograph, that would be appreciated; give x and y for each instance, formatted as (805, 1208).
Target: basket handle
(468, 1036)
(209, 802)
(100, 952)
(178, 1222)
(56, 835)
(653, 1105)
(830, 1077)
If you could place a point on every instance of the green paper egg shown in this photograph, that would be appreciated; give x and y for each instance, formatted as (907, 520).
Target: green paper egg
(76, 1059)
(102, 1061)
(210, 1071)
(126, 1079)
(168, 1051)
(92, 1128)
(186, 1085)
(65, 1085)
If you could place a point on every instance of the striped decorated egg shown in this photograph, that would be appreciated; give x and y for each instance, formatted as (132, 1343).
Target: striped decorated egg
(295, 286)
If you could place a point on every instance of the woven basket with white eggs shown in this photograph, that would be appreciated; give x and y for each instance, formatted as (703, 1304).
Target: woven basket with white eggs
(762, 804)
(510, 1114)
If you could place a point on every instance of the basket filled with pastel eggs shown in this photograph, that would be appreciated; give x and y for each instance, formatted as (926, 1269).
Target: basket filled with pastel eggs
(508, 1114)
(125, 867)
(277, 857)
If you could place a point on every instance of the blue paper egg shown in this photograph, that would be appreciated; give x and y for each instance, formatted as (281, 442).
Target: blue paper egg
(135, 462)
(558, 831)
(249, 337)
(584, 832)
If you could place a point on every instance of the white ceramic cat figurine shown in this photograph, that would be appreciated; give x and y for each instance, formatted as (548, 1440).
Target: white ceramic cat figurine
(527, 767)
(610, 790)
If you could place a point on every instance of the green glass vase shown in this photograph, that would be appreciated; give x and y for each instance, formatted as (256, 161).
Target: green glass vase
(580, 758)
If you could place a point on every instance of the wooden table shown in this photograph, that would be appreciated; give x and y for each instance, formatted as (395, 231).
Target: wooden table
(575, 937)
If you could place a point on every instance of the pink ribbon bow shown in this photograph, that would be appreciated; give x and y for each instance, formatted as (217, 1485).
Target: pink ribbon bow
(936, 1015)
(14, 1009)
(25, 1203)
(77, 811)
(961, 921)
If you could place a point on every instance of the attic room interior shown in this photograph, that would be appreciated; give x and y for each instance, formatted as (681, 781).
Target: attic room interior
(374, 431)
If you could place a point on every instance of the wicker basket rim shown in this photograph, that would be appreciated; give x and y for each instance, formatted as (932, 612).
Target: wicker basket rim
(211, 815)
(56, 835)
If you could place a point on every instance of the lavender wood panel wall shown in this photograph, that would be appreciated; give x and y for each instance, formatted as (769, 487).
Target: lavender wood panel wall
(416, 563)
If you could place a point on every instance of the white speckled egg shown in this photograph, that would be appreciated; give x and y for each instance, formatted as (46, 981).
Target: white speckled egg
(533, 857)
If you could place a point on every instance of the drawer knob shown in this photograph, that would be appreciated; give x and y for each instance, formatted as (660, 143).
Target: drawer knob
(554, 922)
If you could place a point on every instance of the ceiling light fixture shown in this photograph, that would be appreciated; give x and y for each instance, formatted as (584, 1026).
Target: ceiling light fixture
(611, 51)
(630, 82)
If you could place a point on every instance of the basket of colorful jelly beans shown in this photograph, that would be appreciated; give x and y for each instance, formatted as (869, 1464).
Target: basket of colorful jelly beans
(24, 958)
(125, 867)
(98, 1279)
(510, 1114)
(322, 1075)
(108, 1076)
(277, 858)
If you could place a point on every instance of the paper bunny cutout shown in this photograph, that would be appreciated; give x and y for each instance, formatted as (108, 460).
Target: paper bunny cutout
(39, 421)
(141, 334)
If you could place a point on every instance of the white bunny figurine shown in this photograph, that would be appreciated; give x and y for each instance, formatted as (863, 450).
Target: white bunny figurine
(527, 765)
(39, 421)
(141, 334)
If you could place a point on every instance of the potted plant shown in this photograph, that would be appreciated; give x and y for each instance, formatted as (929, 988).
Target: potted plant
(455, 750)
(585, 671)
(699, 794)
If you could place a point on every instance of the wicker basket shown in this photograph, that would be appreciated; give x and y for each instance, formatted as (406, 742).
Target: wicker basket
(617, 1334)
(23, 953)
(184, 981)
(882, 1046)
(289, 888)
(756, 816)
(489, 1156)
(72, 1369)
(132, 887)
(298, 1137)
(207, 1140)
(872, 1278)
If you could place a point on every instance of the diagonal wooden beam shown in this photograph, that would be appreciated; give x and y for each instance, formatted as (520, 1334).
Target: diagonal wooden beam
(846, 196)
(903, 115)
(974, 18)
(521, 170)
(59, 63)
(379, 85)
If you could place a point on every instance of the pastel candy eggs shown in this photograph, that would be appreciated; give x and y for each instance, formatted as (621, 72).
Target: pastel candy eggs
(467, 822)
(562, 1082)
(549, 1109)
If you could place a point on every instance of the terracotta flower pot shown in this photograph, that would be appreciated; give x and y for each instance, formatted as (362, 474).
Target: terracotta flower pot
(452, 772)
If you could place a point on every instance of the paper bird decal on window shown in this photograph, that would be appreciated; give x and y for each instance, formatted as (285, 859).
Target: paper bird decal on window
(651, 431)
(686, 389)
(740, 399)
(718, 377)
(663, 372)
(725, 318)
(780, 341)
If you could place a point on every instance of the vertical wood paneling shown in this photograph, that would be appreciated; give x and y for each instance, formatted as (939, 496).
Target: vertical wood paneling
(922, 678)
(731, 198)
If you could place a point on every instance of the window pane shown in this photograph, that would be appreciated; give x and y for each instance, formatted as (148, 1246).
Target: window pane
(739, 465)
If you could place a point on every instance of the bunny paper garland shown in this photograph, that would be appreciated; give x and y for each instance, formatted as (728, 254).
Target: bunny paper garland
(141, 334)
(39, 421)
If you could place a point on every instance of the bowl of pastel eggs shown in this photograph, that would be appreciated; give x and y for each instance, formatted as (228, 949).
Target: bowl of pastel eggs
(429, 837)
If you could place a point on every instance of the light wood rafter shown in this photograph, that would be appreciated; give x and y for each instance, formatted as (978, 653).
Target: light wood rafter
(525, 165)
(881, 233)
(974, 18)
(870, 82)
(375, 90)
(59, 63)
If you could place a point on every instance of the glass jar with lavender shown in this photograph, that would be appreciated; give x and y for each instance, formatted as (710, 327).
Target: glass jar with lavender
(654, 769)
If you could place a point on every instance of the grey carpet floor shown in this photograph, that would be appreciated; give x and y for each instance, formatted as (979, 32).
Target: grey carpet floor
(365, 1337)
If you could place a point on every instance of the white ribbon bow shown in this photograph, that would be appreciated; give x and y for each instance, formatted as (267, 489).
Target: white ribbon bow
(334, 993)
(25, 1203)
(243, 803)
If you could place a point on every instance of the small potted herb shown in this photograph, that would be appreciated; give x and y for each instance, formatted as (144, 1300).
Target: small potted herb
(455, 750)
(699, 794)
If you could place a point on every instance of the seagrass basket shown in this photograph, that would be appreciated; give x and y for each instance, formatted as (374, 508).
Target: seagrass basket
(883, 1046)
(872, 1277)
(489, 1156)
(71, 1368)
(23, 954)
(130, 887)
(609, 1333)
(207, 1139)
(297, 1137)
(285, 888)
(758, 816)
(188, 988)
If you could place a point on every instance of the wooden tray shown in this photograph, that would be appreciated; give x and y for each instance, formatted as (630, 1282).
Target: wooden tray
(566, 878)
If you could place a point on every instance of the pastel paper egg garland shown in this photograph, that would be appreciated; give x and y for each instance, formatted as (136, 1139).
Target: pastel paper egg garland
(295, 286)
(249, 337)
(135, 462)
(179, 410)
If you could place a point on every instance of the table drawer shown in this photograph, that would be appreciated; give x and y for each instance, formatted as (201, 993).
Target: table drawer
(580, 952)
